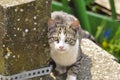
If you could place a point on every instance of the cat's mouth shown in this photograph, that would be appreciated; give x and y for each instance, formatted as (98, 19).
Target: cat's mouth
(61, 50)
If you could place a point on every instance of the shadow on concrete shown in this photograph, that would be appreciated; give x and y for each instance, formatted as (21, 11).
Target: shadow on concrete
(85, 69)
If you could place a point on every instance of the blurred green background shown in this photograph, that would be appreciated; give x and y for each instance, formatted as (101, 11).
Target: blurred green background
(105, 28)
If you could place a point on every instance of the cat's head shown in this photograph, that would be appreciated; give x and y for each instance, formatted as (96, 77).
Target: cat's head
(62, 37)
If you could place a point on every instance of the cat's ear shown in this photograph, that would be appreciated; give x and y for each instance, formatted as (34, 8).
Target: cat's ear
(75, 25)
(51, 24)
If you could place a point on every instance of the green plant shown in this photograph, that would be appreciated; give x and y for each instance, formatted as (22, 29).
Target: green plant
(114, 45)
(110, 44)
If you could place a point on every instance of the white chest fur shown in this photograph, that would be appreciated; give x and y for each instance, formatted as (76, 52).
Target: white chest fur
(68, 57)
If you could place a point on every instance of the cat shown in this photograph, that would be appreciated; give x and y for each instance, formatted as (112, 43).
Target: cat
(64, 37)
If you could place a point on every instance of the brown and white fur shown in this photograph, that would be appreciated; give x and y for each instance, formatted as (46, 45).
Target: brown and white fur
(65, 34)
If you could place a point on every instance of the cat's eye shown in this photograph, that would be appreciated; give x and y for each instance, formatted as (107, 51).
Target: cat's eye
(67, 39)
(55, 38)
(70, 41)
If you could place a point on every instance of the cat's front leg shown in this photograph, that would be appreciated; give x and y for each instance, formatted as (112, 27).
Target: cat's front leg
(71, 77)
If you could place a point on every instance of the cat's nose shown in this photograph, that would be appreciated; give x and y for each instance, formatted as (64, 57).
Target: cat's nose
(61, 47)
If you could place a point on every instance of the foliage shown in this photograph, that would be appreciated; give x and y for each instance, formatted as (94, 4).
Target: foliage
(113, 46)
(108, 42)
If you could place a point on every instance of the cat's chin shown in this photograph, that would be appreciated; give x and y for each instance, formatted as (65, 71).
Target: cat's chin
(61, 50)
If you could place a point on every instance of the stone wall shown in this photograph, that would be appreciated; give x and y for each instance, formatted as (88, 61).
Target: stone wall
(23, 35)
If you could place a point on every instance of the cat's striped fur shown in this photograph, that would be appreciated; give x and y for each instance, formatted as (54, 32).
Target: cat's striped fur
(64, 30)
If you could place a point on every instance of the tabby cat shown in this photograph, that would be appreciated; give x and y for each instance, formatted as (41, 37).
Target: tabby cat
(64, 37)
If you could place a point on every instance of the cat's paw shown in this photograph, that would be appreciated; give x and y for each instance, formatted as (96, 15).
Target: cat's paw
(71, 77)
